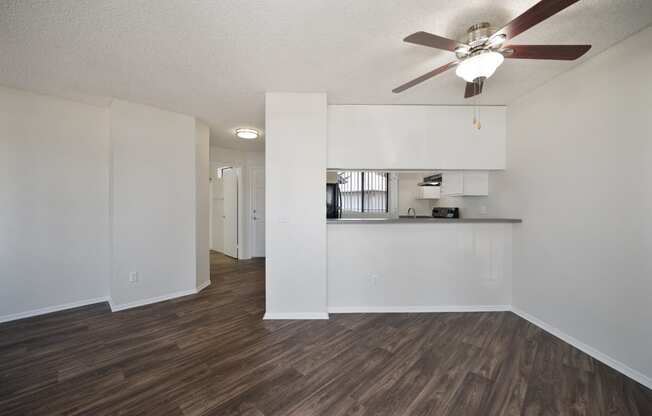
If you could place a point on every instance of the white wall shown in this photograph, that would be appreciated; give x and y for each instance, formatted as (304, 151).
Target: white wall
(54, 227)
(580, 175)
(153, 203)
(419, 267)
(239, 157)
(202, 203)
(408, 193)
(414, 137)
(295, 201)
(90, 194)
(221, 157)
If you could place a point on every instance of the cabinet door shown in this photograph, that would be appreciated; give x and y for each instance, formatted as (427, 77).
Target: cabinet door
(452, 183)
(429, 192)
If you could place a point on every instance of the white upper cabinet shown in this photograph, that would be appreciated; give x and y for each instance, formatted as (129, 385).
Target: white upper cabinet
(429, 192)
(452, 183)
(415, 137)
(465, 183)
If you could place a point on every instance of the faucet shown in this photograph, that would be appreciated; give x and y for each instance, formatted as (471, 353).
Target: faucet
(414, 212)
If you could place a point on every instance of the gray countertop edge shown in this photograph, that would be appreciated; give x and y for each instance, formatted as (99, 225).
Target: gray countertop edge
(425, 221)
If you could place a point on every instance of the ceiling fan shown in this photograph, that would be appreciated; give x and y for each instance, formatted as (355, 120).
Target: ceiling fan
(484, 49)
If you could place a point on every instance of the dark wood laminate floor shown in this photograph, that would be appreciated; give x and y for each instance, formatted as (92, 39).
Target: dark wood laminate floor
(211, 354)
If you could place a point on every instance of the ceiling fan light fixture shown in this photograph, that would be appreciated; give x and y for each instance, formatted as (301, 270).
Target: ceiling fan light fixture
(246, 134)
(482, 65)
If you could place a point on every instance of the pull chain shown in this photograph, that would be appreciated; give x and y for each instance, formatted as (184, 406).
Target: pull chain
(478, 125)
(476, 109)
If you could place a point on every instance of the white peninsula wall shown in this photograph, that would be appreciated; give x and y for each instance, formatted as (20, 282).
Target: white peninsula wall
(419, 267)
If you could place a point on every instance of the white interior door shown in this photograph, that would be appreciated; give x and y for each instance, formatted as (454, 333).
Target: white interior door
(230, 214)
(217, 212)
(258, 211)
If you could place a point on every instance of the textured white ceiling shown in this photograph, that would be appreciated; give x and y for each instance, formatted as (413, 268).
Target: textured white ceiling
(215, 59)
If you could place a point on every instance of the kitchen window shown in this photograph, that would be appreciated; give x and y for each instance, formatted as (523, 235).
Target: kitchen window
(364, 192)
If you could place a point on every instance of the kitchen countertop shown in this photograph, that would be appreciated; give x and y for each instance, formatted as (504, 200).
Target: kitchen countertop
(421, 220)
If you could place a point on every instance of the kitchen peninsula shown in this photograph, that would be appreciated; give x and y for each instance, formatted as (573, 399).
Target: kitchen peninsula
(419, 264)
(415, 241)
(423, 220)
(386, 254)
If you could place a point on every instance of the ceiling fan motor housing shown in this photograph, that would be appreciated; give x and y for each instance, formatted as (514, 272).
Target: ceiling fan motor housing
(479, 33)
(477, 39)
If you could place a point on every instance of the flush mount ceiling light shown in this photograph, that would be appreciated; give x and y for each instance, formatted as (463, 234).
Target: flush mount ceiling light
(482, 65)
(247, 134)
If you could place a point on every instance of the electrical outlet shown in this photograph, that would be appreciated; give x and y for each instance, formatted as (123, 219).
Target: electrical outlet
(483, 210)
(374, 278)
(133, 277)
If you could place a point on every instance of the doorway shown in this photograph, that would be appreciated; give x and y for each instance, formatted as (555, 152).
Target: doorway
(224, 215)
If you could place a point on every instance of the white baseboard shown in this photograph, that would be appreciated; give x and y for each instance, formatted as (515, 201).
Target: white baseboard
(114, 307)
(307, 315)
(143, 302)
(50, 309)
(418, 309)
(598, 355)
(203, 286)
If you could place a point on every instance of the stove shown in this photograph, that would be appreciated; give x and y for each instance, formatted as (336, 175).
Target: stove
(445, 212)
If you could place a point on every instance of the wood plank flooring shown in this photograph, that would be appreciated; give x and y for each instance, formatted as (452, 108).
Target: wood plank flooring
(211, 354)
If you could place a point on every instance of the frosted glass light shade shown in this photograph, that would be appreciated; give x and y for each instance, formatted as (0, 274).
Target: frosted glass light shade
(247, 134)
(482, 65)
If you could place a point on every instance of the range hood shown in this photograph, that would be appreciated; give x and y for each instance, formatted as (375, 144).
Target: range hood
(432, 180)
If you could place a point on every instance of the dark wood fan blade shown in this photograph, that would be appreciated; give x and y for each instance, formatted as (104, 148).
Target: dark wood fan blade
(556, 52)
(533, 16)
(473, 88)
(433, 41)
(424, 77)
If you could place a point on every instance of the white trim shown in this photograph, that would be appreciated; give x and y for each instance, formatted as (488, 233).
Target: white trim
(295, 315)
(50, 309)
(418, 309)
(114, 307)
(203, 286)
(598, 355)
(143, 302)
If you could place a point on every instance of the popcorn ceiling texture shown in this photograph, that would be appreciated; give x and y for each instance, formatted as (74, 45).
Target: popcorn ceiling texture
(215, 59)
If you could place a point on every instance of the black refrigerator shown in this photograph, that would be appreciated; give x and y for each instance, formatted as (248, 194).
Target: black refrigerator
(333, 201)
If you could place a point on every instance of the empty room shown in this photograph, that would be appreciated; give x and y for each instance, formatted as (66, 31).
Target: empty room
(313, 207)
